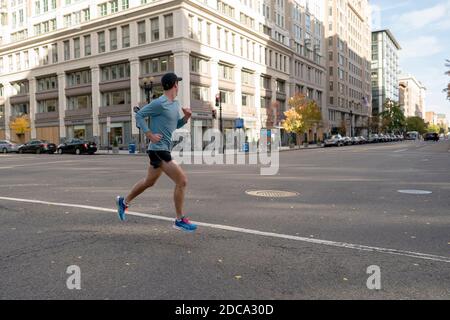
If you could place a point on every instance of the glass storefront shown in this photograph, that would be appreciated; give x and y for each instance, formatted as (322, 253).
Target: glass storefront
(120, 132)
(81, 131)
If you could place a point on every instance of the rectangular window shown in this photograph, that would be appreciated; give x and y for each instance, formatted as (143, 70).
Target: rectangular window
(45, 106)
(87, 14)
(125, 4)
(101, 42)
(36, 57)
(19, 63)
(114, 6)
(67, 20)
(168, 26)
(141, 32)
(79, 102)
(246, 100)
(226, 40)
(281, 86)
(87, 45)
(199, 65)
(154, 25)
(37, 29)
(25, 58)
(225, 72)
(45, 60)
(219, 31)
(77, 17)
(112, 39)
(208, 33)
(199, 29)
(125, 36)
(199, 93)
(103, 9)
(76, 48)
(37, 7)
(66, 50)
(247, 78)
(191, 27)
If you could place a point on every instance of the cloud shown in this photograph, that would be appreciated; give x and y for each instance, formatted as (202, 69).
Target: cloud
(418, 19)
(422, 46)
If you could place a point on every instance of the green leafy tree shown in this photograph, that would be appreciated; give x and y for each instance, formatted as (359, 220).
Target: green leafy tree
(392, 118)
(433, 128)
(416, 124)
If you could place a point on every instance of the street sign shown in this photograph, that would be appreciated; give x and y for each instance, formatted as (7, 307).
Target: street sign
(239, 123)
(108, 124)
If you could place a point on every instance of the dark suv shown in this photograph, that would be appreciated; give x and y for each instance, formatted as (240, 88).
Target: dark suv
(431, 136)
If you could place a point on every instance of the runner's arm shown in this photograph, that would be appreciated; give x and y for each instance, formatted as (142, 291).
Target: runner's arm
(181, 122)
(150, 110)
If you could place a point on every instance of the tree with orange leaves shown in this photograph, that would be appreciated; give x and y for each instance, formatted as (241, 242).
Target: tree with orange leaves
(303, 115)
(20, 125)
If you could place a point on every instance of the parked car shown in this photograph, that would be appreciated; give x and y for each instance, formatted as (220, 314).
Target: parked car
(392, 137)
(37, 146)
(77, 146)
(335, 140)
(347, 140)
(431, 136)
(412, 135)
(8, 146)
(362, 140)
(385, 138)
(373, 138)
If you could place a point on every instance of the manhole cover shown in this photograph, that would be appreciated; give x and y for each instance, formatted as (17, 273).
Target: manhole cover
(415, 191)
(271, 193)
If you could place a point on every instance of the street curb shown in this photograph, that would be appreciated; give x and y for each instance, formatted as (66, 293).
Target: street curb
(144, 154)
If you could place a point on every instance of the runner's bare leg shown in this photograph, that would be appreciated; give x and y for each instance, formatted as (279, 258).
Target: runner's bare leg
(151, 178)
(174, 172)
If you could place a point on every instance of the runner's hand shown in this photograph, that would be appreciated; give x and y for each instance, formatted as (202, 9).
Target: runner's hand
(187, 112)
(153, 137)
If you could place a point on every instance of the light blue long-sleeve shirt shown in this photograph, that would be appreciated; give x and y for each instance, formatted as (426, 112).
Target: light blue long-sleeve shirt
(165, 119)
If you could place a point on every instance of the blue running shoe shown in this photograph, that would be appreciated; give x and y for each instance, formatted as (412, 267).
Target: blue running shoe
(184, 225)
(121, 207)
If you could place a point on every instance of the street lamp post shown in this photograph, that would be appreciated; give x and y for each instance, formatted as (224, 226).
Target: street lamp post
(148, 89)
(351, 123)
(219, 104)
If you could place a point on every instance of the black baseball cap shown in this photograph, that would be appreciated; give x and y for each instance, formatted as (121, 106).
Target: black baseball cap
(169, 79)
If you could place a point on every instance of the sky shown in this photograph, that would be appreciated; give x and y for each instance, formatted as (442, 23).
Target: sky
(423, 30)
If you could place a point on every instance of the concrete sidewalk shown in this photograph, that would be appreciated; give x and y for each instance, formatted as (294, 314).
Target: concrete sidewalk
(137, 153)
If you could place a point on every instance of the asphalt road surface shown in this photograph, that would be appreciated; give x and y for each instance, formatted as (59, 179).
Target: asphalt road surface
(58, 211)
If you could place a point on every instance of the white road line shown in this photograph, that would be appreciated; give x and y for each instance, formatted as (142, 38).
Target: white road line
(37, 164)
(411, 254)
(401, 150)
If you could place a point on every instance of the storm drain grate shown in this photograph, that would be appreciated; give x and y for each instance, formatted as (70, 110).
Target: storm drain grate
(271, 193)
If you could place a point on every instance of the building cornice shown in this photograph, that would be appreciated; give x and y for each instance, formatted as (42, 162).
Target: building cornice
(389, 33)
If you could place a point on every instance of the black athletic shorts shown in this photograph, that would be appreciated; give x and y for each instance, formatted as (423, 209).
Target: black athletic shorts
(156, 157)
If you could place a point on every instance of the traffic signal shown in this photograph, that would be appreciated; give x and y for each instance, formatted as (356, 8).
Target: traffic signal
(214, 113)
(217, 99)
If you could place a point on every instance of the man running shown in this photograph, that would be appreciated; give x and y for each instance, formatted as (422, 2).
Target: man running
(165, 119)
